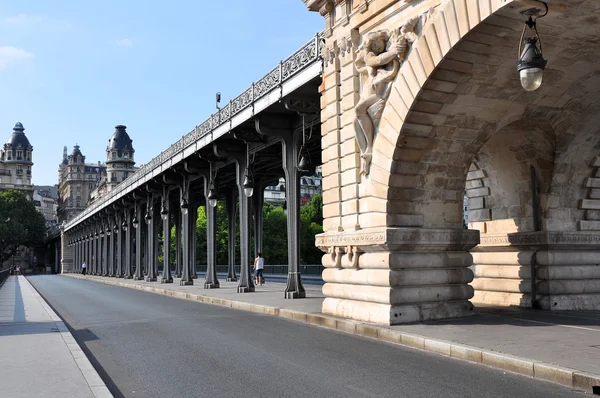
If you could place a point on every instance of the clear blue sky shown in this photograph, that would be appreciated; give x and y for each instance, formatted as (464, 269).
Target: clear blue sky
(72, 70)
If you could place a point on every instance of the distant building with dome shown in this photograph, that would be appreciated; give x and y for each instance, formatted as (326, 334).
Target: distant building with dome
(81, 183)
(16, 160)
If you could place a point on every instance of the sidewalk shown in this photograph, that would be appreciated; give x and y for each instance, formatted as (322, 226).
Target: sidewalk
(561, 347)
(38, 355)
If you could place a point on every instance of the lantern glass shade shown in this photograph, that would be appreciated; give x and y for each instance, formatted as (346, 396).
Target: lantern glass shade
(148, 217)
(135, 222)
(184, 206)
(116, 228)
(304, 163)
(212, 198)
(531, 65)
(164, 213)
(248, 184)
(531, 78)
(124, 226)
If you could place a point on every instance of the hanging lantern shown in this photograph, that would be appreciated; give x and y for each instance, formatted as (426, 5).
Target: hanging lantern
(164, 213)
(212, 198)
(184, 206)
(248, 184)
(531, 62)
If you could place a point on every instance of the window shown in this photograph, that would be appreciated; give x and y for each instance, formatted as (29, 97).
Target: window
(29, 156)
(19, 155)
(125, 154)
(19, 181)
(9, 155)
(114, 155)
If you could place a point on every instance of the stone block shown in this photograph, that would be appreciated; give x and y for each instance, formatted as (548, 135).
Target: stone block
(590, 204)
(473, 184)
(331, 210)
(478, 192)
(411, 79)
(592, 182)
(472, 175)
(585, 225)
(424, 53)
(437, 346)
(508, 362)
(476, 203)
(480, 215)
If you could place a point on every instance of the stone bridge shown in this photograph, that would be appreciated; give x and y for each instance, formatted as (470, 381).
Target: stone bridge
(420, 103)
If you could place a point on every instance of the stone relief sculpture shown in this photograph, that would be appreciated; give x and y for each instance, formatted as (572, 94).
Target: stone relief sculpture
(378, 62)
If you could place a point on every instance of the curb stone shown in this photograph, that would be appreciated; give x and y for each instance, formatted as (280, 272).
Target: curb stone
(539, 370)
(92, 378)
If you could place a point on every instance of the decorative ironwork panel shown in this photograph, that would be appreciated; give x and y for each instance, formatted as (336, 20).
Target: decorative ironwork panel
(241, 101)
(267, 83)
(299, 59)
(224, 113)
(205, 128)
(215, 120)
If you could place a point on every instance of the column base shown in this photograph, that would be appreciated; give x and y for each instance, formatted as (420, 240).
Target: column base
(211, 285)
(294, 288)
(127, 277)
(151, 279)
(138, 278)
(386, 314)
(176, 275)
(231, 280)
(194, 276)
(186, 283)
(120, 276)
(166, 280)
(245, 289)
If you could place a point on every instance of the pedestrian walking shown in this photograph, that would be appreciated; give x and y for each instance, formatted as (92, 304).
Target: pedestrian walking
(83, 268)
(259, 265)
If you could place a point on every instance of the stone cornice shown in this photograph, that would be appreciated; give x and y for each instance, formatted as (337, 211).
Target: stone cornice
(418, 239)
(543, 239)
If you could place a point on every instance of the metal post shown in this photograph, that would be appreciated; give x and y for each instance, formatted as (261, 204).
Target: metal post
(246, 284)
(119, 246)
(211, 281)
(111, 248)
(178, 260)
(231, 218)
(193, 238)
(128, 266)
(166, 278)
(291, 148)
(186, 278)
(138, 244)
(150, 252)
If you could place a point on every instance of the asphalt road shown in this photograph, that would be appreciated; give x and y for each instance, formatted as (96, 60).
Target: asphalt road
(147, 345)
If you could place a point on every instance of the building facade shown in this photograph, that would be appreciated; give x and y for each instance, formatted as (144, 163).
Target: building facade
(81, 183)
(16, 161)
(309, 187)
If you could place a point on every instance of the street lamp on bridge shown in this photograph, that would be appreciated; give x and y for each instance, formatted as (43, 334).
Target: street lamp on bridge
(531, 63)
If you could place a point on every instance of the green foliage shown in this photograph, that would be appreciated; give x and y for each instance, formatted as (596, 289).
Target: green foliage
(274, 235)
(311, 224)
(275, 250)
(20, 223)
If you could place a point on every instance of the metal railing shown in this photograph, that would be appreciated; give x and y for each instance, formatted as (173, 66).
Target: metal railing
(4, 274)
(286, 69)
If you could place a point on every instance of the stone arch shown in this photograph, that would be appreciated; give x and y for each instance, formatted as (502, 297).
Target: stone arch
(456, 90)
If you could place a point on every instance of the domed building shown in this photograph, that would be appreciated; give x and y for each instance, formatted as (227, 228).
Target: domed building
(16, 161)
(119, 157)
(81, 183)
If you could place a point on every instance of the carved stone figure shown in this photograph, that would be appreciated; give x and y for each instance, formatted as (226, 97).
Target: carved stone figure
(378, 61)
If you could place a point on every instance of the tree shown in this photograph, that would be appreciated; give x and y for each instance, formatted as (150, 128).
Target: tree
(311, 224)
(20, 224)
